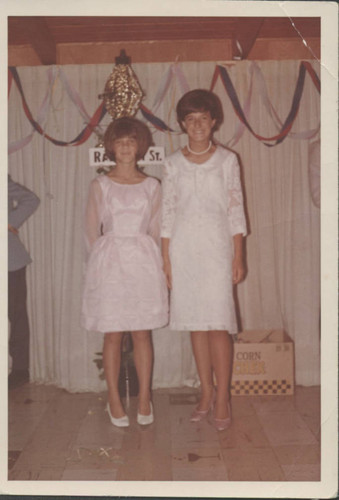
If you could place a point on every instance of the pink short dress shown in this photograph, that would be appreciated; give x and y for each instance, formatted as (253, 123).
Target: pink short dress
(125, 286)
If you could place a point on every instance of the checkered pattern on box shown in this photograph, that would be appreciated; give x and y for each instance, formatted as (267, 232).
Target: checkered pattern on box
(260, 387)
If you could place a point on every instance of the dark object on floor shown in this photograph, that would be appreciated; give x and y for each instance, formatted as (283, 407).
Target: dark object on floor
(17, 378)
(128, 378)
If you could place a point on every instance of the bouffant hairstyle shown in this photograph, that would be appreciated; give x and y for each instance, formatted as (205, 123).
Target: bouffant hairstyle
(128, 127)
(200, 100)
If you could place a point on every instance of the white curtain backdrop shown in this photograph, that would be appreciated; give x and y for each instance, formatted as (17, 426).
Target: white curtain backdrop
(282, 287)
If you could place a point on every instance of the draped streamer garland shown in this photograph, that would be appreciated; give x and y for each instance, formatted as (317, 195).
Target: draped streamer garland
(240, 128)
(287, 125)
(242, 113)
(308, 134)
(163, 88)
(80, 139)
(263, 93)
(74, 96)
(42, 113)
(173, 70)
(156, 122)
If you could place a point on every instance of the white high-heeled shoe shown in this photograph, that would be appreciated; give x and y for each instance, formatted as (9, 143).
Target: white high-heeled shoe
(118, 422)
(146, 419)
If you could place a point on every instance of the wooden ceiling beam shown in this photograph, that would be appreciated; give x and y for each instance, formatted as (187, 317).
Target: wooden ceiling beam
(44, 37)
(115, 30)
(245, 34)
(40, 38)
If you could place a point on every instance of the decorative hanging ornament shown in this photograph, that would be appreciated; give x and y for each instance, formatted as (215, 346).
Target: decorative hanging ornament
(123, 93)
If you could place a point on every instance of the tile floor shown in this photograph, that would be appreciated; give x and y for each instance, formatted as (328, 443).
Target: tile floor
(55, 435)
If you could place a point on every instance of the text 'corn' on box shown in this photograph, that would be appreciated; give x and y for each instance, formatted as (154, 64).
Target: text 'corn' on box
(263, 363)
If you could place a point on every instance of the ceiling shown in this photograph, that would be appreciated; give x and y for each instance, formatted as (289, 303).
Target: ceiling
(45, 34)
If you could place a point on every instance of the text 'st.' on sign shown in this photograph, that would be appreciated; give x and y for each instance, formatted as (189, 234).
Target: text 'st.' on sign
(154, 156)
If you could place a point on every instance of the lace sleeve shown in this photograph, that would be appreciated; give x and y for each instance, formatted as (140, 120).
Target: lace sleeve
(92, 214)
(235, 210)
(168, 200)
(154, 225)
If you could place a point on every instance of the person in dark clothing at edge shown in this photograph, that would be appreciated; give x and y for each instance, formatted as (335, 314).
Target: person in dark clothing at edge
(21, 204)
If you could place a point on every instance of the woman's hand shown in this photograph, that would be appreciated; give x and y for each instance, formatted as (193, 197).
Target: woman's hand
(166, 261)
(238, 270)
(168, 272)
(12, 229)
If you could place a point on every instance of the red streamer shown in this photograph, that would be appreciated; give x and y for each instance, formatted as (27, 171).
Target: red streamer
(160, 125)
(304, 66)
(84, 134)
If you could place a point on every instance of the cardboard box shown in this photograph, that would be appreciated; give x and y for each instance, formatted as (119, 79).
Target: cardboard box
(263, 363)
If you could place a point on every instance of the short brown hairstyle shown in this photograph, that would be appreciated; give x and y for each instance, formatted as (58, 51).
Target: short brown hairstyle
(200, 100)
(128, 127)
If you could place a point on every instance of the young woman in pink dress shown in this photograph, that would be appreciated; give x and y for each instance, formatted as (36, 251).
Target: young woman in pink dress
(203, 225)
(125, 286)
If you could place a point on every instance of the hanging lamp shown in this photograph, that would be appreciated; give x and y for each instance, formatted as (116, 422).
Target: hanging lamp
(123, 93)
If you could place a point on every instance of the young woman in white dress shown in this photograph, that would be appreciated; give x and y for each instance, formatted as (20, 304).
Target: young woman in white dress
(203, 225)
(125, 285)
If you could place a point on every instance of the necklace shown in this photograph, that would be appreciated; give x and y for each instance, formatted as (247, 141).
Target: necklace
(200, 152)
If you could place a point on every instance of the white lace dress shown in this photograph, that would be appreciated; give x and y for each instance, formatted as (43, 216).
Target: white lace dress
(202, 210)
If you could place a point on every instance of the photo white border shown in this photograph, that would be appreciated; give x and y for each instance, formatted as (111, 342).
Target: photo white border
(328, 11)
